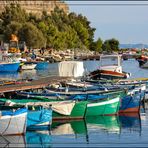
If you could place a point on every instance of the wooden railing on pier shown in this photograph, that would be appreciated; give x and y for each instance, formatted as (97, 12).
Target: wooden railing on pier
(34, 84)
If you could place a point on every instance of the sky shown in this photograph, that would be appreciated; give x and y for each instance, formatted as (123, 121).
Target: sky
(122, 20)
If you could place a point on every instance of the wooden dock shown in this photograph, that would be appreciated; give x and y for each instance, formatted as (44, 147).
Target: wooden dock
(34, 84)
(88, 57)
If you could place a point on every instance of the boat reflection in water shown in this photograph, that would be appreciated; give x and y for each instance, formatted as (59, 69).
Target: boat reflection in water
(28, 74)
(71, 127)
(115, 124)
(38, 139)
(130, 122)
(109, 124)
(9, 75)
(94, 129)
(69, 132)
(30, 139)
(12, 141)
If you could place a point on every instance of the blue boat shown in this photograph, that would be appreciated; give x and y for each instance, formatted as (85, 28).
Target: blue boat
(42, 65)
(9, 67)
(39, 119)
(131, 103)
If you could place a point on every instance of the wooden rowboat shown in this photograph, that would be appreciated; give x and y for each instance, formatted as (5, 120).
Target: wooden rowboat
(13, 122)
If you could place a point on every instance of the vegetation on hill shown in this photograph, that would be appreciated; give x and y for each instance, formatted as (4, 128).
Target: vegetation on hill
(58, 30)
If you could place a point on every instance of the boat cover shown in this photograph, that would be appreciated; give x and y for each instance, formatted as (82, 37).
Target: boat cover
(62, 107)
(71, 68)
(37, 117)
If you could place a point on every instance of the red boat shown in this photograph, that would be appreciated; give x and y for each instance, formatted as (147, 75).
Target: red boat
(143, 61)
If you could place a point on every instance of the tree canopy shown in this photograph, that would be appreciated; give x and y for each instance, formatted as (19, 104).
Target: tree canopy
(59, 30)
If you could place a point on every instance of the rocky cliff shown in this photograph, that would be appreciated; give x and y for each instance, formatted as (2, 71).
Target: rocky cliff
(37, 6)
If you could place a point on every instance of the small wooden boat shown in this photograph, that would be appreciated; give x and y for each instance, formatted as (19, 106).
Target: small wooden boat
(97, 104)
(38, 118)
(131, 103)
(13, 122)
(28, 66)
(110, 68)
(66, 110)
(9, 66)
(131, 97)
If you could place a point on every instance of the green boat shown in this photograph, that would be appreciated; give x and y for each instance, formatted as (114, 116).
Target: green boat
(107, 106)
(70, 109)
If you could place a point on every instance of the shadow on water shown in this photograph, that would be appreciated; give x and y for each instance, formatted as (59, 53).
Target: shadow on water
(92, 129)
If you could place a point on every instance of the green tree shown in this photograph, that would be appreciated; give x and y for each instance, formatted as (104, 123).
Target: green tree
(106, 46)
(32, 35)
(114, 44)
(13, 12)
(99, 44)
(111, 45)
(12, 28)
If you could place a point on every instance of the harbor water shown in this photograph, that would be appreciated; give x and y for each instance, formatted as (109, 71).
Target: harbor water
(128, 130)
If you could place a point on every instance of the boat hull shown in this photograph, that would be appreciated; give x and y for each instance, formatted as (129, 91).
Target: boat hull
(39, 119)
(107, 107)
(60, 109)
(130, 103)
(13, 124)
(78, 112)
(108, 74)
(9, 67)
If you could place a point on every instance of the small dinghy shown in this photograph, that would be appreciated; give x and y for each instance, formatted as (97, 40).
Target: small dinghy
(13, 122)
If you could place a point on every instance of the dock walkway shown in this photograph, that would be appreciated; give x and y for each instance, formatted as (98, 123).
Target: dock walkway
(34, 84)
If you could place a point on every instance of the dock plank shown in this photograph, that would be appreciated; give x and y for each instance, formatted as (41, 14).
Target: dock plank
(34, 84)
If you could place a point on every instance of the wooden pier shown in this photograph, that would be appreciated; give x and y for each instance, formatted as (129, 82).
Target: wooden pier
(34, 84)
(88, 57)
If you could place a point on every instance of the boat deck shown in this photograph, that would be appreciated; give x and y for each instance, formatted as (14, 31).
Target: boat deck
(34, 84)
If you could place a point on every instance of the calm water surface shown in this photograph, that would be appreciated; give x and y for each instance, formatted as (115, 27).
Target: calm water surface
(129, 130)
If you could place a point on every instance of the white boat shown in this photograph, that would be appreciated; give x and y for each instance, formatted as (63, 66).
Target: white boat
(110, 68)
(28, 66)
(13, 122)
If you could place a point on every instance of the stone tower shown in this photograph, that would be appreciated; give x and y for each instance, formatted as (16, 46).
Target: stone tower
(37, 6)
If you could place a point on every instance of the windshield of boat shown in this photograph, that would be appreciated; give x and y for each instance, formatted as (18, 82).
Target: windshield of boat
(109, 61)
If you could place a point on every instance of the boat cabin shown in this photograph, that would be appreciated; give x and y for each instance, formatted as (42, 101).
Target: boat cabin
(111, 62)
